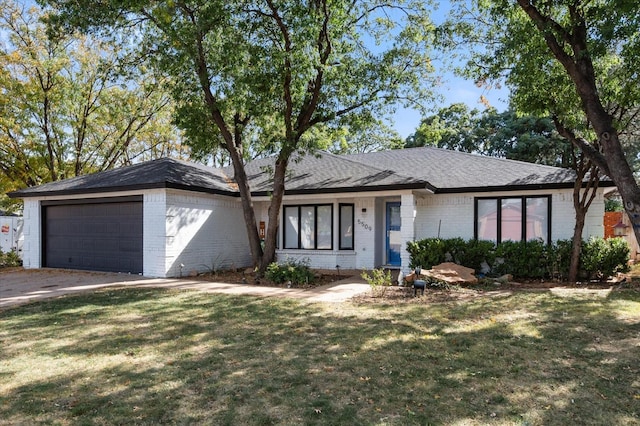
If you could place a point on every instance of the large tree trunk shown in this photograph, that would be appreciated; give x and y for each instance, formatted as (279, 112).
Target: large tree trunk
(618, 167)
(574, 265)
(579, 67)
(248, 211)
(271, 236)
(234, 145)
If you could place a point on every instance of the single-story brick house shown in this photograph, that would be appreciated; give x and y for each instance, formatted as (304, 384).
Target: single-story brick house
(166, 217)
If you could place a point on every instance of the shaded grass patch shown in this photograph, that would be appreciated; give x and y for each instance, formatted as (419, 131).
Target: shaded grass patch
(180, 357)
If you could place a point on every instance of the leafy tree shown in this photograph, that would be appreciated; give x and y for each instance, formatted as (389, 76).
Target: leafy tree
(453, 127)
(360, 139)
(63, 110)
(573, 60)
(497, 134)
(261, 75)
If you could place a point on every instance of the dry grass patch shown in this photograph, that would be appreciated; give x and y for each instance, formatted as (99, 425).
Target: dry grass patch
(177, 357)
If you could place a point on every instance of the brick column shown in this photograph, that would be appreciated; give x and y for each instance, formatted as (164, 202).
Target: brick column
(407, 231)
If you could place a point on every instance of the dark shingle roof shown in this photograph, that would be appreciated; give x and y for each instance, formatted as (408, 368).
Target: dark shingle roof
(434, 169)
(162, 173)
(325, 172)
(452, 171)
(437, 170)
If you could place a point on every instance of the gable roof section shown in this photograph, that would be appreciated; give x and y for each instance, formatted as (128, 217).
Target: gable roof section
(433, 169)
(162, 173)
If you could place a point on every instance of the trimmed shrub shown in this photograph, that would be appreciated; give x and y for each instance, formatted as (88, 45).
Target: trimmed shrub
(427, 252)
(532, 259)
(433, 251)
(474, 253)
(525, 259)
(559, 259)
(298, 272)
(602, 258)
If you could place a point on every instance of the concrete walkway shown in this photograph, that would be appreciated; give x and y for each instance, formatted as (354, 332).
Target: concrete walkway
(24, 286)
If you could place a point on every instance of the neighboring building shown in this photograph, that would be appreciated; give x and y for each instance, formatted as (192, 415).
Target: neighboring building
(618, 224)
(171, 218)
(10, 232)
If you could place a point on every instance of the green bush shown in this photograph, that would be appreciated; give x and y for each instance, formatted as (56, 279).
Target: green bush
(602, 258)
(9, 259)
(433, 251)
(297, 272)
(427, 252)
(476, 252)
(525, 259)
(530, 260)
(379, 280)
(559, 258)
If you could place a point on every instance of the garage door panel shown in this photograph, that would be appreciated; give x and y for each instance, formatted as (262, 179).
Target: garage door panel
(101, 236)
(130, 246)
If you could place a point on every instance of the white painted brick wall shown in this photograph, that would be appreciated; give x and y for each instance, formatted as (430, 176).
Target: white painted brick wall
(154, 233)
(407, 233)
(31, 248)
(204, 232)
(320, 259)
(448, 216)
(365, 230)
(452, 215)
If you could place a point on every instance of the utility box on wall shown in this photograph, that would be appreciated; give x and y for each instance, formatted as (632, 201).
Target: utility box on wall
(11, 234)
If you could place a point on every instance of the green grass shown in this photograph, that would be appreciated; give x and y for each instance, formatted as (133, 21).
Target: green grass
(141, 356)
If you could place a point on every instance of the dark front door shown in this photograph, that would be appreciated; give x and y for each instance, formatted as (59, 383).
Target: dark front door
(104, 236)
(394, 245)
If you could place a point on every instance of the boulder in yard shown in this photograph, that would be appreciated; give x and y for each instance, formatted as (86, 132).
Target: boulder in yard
(451, 273)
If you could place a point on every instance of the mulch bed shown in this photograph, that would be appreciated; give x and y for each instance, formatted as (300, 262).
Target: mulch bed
(240, 277)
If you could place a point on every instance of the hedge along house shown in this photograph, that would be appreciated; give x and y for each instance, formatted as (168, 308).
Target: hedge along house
(170, 218)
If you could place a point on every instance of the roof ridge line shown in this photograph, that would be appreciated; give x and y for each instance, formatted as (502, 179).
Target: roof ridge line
(490, 157)
(342, 157)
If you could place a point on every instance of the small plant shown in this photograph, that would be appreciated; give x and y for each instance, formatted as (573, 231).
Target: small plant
(296, 272)
(10, 259)
(379, 280)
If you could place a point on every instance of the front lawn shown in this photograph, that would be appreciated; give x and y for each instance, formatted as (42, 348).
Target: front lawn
(148, 356)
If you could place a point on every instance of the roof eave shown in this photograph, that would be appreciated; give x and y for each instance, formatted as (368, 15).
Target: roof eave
(351, 189)
(512, 188)
(123, 188)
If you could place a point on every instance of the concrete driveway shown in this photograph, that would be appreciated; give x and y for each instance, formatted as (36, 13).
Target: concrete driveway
(24, 286)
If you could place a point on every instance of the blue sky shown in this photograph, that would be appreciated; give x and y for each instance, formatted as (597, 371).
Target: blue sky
(454, 89)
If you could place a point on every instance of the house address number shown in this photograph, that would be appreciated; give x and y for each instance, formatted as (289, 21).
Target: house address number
(365, 225)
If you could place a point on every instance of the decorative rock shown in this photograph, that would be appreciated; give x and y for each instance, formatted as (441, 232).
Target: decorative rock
(506, 278)
(451, 273)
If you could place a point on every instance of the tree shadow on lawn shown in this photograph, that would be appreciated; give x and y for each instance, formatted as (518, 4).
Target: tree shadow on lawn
(155, 356)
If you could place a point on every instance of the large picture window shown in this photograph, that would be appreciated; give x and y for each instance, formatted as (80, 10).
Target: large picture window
(346, 226)
(308, 227)
(513, 218)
